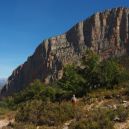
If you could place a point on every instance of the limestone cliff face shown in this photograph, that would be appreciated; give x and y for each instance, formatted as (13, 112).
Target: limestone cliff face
(107, 33)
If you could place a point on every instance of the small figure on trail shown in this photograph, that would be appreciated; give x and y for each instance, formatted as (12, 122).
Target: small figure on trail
(74, 100)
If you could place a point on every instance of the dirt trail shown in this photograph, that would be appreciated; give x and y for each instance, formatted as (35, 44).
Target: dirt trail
(66, 125)
(5, 122)
(123, 125)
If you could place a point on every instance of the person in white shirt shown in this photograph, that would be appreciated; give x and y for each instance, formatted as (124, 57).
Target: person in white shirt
(74, 100)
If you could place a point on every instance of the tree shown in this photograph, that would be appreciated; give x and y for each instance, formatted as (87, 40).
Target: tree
(91, 61)
(112, 73)
(72, 80)
(102, 73)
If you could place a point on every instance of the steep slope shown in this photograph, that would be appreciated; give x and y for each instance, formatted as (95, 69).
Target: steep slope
(106, 33)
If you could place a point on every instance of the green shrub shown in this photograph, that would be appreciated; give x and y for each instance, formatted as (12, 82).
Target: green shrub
(101, 119)
(45, 113)
(38, 91)
(122, 113)
(97, 119)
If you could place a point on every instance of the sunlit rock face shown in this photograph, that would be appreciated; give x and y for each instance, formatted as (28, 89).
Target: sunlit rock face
(106, 33)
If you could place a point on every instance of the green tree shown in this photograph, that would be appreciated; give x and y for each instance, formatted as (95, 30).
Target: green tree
(72, 80)
(91, 61)
(112, 73)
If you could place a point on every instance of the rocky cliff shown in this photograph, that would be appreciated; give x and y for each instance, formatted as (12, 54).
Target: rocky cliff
(106, 32)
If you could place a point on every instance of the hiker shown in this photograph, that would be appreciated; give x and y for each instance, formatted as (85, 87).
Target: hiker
(74, 100)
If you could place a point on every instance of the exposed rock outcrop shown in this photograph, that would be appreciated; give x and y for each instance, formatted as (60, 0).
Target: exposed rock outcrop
(107, 33)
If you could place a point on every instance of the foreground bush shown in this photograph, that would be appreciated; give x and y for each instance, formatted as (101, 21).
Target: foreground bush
(122, 113)
(45, 113)
(98, 119)
(101, 119)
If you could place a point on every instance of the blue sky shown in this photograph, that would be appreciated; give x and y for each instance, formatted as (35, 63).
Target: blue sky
(25, 23)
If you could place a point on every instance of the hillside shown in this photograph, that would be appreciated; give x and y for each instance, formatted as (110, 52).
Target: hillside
(101, 88)
(105, 33)
(100, 109)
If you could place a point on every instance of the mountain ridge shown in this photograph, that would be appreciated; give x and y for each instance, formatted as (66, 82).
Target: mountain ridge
(106, 33)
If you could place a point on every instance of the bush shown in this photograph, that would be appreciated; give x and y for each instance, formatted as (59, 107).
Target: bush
(45, 113)
(122, 113)
(35, 91)
(98, 119)
(101, 119)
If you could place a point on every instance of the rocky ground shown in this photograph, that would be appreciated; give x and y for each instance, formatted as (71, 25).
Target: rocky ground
(5, 123)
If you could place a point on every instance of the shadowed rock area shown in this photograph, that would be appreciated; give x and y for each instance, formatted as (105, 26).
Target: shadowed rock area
(106, 33)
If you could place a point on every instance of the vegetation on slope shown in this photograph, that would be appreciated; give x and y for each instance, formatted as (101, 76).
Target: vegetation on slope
(39, 104)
